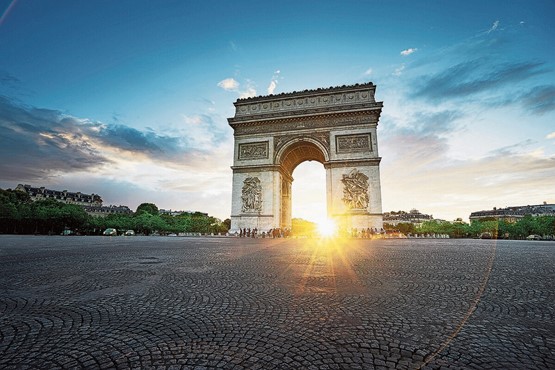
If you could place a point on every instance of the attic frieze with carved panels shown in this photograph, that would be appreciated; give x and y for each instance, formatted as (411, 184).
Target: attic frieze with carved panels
(341, 98)
(304, 123)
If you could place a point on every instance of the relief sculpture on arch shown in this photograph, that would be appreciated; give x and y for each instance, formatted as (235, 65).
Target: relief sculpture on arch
(252, 195)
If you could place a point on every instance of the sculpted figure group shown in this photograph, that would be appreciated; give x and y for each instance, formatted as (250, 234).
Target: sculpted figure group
(252, 195)
(355, 190)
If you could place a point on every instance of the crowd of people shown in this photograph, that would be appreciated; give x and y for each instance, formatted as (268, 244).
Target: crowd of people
(272, 233)
(367, 233)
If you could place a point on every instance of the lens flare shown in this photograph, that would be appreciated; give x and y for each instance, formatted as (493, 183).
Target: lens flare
(327, 228)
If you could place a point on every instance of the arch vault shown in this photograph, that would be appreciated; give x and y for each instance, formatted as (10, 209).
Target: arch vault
(274, 134)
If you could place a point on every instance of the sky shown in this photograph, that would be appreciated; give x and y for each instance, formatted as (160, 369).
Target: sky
(130, 99)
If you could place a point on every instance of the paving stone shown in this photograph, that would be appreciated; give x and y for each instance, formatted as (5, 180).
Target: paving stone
(155, 302)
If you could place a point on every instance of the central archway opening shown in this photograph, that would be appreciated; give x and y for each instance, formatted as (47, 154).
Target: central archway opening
(308, 194)
(291, 158)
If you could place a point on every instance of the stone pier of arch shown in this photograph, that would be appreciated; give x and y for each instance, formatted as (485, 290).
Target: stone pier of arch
(336, 126)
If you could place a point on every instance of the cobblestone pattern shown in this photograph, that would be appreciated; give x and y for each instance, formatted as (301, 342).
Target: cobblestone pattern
(195, 303)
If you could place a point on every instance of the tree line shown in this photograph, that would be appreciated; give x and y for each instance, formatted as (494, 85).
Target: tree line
(543, 226)
(20, 215)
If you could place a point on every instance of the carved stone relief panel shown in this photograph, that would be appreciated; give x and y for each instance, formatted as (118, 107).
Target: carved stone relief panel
(252, 195)
(353, 143)
(309, 123)
(258, 150)
(355, 190)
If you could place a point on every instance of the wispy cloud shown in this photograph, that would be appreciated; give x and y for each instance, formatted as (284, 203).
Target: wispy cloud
(422, 138)
(274, 82)
(493, 27)
(368, 72)
(8, 80)
(408, 51)
(249, 91)
(399, 70)
(473, 77)
(229, 84)
(540, 99)
(454, 94)
(447, 187)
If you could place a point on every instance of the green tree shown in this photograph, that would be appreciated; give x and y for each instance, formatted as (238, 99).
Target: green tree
(301, 227)
(406, 228)
(149, 208)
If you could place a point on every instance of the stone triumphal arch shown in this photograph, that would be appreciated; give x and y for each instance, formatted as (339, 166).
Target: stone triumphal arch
(274, 134)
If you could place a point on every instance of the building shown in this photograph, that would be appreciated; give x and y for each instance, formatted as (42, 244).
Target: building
(513, 214)
(402, 217)
(63, 196)
(103, 211)
(91, 203)
(273, 134)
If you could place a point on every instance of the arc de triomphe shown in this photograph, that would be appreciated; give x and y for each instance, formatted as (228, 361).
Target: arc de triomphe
(335, 126)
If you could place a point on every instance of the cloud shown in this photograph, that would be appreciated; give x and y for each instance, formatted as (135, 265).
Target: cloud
(8, 80)
(540, 99)
(35, 144)
(229, 84)
(493, 27)
(249, 91)
(408, 51)
(38, 143)
(423, 137)
(368, 72)
(399, 70)
(473, 77)
(201, 132)
(416, 164)
(273, 82)
(449, 98)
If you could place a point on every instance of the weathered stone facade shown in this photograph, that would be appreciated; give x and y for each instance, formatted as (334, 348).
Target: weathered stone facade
(275, 133)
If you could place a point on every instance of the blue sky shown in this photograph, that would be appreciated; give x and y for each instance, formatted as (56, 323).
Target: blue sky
(129, 99)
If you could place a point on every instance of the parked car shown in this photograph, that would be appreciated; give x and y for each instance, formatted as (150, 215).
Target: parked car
(129, 233)
(110, 232)
(533, 237)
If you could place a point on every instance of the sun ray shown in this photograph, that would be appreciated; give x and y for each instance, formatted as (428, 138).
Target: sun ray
(327, 228)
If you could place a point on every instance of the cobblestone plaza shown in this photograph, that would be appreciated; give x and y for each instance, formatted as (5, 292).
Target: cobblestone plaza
(162, 302)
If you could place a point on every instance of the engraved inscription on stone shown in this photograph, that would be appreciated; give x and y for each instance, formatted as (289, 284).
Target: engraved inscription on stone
(352, 143)
(252, 195)
(257, 150)
(355, 190)
(309, 123)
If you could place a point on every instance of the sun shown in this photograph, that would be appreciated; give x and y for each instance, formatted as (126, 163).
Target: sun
(326, 227)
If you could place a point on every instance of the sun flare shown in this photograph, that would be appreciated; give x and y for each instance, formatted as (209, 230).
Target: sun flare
(327, 227)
